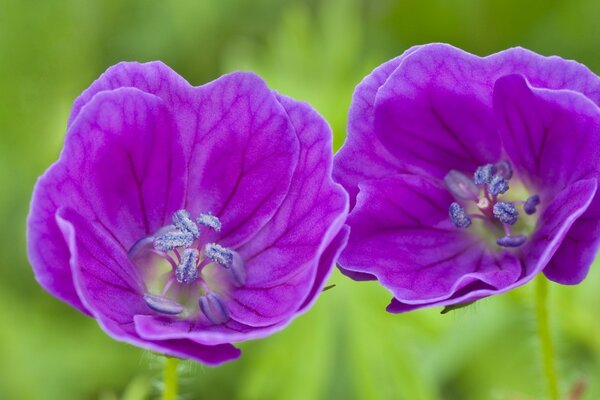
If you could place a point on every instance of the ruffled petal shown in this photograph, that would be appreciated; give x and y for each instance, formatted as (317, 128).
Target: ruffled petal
(121, 167)
(401, 233)
(111, 288)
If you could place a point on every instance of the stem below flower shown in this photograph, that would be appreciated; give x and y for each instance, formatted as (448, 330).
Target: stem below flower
(170, 379)
(541, 307)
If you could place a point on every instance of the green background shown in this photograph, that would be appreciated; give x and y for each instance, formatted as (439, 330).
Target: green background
(346, 347)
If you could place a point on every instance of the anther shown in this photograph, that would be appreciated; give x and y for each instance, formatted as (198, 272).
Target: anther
(162, 304)
(219, 254)
(172, 240)
(504, 169)
(214, 309)
(483, 175)
(210, 221)
(506, 213)
(459, 216)
(187, 270)
(497, 185)
(461, 186)
(531, 204)
(184, 223)
(511, 241)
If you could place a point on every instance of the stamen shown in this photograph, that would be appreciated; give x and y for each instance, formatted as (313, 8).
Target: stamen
(459, 216)
(172, 240)
(187, 270)
(531, 204)
(214, 309)
(504, 170)
(511, 241)
(461, 186)
(483, 175)
(140, 245)
(162, 304)
(184, 223)
(238, 272)
(506, 213)
(497, 185)
(219, 254)
(210, 221)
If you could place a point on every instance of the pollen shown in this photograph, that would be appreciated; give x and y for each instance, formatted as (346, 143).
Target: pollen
(458, 216)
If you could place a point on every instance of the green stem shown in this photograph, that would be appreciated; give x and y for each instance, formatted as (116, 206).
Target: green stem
(541, 307)
(170, 379)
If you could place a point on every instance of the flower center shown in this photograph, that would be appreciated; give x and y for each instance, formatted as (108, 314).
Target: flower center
(482, 195)
(186, 274)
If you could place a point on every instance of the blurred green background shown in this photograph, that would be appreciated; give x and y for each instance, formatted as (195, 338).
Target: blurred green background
(347, 347)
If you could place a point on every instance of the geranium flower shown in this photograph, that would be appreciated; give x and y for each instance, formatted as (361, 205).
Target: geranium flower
(468, 176)
(187, 218)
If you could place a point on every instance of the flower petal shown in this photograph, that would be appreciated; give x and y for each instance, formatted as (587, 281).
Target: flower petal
(363, 157)
(552, 137)
(401, 233)
(243, 157)
(110, 287)
(572, 260)
(121, 167)
(433, 116)
(235, 115)
(282, 259)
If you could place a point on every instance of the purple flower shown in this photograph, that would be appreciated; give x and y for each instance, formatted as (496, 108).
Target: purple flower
(468, 175)
(187, 218)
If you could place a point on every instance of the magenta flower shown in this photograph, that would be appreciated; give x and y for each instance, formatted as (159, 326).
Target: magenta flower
(468, 175)
(187, 218)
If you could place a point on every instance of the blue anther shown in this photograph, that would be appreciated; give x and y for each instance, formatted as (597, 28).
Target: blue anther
(461, 186)
(530, 206)
(483, 175)
(213, 308)
(187, 270)
(210, 221)
(511, 241)
(497, 185)
(219, 254)
(172, 240)
(162, 304)
(458, 216)
(506, 212)
(504, 169)
(185, 223)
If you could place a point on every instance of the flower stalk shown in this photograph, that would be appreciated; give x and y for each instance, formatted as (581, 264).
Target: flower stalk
(546, 345)
(170, 379)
